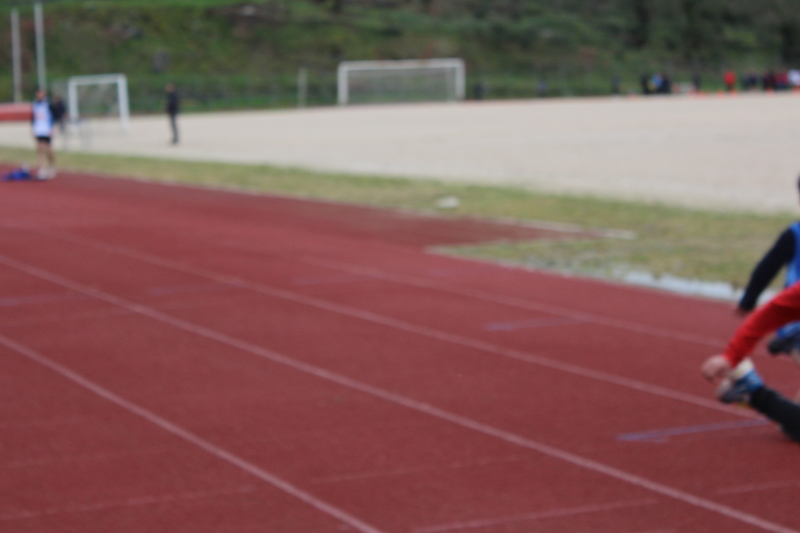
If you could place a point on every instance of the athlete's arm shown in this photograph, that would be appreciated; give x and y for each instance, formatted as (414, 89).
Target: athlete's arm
(779, 255)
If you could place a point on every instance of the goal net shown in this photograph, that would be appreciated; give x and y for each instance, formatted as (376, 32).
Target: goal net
(97, 105)
(368, 82)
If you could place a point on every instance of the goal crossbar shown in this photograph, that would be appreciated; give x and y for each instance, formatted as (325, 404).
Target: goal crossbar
(121, 82)
(457, 65)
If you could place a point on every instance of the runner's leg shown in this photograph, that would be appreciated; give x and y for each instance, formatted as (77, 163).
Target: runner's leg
(778, 409)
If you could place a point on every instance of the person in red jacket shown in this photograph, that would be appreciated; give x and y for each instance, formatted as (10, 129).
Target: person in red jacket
(737, 377)
(730, 80)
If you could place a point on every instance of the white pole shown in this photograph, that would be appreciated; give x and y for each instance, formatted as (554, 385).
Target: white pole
(461, 81)
(341, 77)
(72, 101)
(124, 109)
(38, 16)
(302, 86)
(16, 55)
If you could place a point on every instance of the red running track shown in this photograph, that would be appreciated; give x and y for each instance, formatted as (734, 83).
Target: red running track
(178, 359)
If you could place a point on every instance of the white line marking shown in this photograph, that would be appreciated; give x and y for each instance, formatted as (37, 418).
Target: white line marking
(51, 422)
(507, 436)
(99, 456)
(514, 325)
(356, 476)
(759, 487)
(129, 502)
(328, 280)
(34, 299)
(171, 290)
(39, 319)
(522, 303)
(368, 316)
(186, 435)
(556, 513)
(512, 301)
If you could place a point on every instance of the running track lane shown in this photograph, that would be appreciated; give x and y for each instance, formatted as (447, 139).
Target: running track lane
(658, 488)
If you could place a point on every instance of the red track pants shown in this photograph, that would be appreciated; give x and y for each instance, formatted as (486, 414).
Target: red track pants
(781, 310)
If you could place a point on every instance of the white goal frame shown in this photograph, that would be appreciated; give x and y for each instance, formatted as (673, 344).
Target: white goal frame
(457, 65)
(120, 80)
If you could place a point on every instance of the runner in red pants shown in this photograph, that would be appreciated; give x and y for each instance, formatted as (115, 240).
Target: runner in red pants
(739, 381)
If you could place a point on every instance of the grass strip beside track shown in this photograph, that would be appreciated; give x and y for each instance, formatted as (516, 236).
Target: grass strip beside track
(689, 243)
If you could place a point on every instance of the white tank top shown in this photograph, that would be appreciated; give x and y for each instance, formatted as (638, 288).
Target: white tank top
(42, 119)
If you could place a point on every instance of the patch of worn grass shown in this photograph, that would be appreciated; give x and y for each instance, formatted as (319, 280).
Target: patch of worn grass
(689, 243)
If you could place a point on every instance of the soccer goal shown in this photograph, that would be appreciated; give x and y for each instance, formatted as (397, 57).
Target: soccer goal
(101, 97)
(424, 80)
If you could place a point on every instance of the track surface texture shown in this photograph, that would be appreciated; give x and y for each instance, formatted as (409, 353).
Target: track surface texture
(185, 360)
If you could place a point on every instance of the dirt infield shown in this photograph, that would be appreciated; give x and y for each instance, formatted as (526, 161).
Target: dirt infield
(715, 151)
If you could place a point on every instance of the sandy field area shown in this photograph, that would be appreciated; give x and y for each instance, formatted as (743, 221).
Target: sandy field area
(740, 152)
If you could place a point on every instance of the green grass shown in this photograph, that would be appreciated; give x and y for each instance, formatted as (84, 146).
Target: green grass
(689, 243)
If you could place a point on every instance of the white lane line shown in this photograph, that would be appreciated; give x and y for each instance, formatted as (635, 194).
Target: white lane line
(186, 435)
(507, 436)
(35, 299)
(88, 457)
(357, 476)
(46, 423)
(512, 301)
(329, 280)
(129, 502)
(486, 296)
(425, 331)
(63, 317)
(760, 486)
(555, 513)
(406, 279)
(535, 323)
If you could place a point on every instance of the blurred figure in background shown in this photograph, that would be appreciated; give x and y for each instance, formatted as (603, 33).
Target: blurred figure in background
(59, 111)
(730, 80)
(541, 87)
(770, 81)
(478, 90)
(616, 85)
(696, 83)
(42, 123)
(173, 108)
(794, 78)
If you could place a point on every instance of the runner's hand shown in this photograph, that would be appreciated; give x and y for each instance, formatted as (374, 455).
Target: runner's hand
(716, 367)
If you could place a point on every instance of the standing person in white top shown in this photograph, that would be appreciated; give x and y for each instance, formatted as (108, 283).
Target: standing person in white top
(43, 123)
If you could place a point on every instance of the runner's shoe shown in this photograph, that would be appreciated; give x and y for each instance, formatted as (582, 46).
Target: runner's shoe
(779, 345)
(740, 383)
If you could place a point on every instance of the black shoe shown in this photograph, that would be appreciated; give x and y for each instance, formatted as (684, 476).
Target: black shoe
(779, 345)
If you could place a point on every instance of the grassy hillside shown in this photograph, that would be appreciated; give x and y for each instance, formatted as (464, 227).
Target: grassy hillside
(225, 53)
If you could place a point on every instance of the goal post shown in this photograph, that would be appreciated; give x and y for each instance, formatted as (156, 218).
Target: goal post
(110, 92)
(406, 80)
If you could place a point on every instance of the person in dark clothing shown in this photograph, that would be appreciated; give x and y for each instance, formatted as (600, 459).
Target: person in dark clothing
(173, 108)
(59, 111)
(644, 81)
(785, 252)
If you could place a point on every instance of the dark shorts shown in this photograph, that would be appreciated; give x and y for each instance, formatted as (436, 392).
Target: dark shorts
(46, 140)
